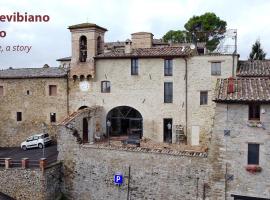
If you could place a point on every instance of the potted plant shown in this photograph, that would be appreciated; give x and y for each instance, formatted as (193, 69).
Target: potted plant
(253, 168)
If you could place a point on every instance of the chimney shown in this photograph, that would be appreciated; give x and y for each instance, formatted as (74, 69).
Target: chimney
(231, 85)
(46, 66)
(142, 40)
(128, 46)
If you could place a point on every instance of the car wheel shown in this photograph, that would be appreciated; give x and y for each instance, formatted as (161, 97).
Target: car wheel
(40, 145)
(24, 147)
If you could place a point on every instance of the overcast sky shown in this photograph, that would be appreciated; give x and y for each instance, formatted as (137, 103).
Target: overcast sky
(51, 40)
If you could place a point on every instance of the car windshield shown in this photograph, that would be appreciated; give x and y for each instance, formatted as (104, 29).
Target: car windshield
(45, 135)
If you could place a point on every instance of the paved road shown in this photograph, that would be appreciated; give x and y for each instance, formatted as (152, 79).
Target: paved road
(5, 197)
(16, 153)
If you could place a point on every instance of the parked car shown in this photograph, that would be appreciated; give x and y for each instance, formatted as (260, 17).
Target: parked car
(39, 140)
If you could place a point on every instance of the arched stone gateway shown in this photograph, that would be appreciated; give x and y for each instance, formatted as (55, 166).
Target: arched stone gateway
(124, 120)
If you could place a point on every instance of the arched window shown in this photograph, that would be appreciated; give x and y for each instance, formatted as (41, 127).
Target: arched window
(83, 48)
(99, 49)
(74, 77)
(81, 77)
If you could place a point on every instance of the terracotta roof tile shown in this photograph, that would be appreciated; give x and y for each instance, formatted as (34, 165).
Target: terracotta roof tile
(258, 68)
(148, 52)
(86, 25)
(244, 90)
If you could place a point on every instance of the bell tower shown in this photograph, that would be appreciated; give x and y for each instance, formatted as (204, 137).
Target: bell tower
(87, 42)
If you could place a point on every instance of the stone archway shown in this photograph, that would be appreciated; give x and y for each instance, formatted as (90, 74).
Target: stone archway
(125, 120)
(83, 107)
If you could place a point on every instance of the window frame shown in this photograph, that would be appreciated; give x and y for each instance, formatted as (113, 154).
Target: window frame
(202, 102)
(252, 112)
(107, 89)
(53, 117)
(253, 152)
(18, 116)
(50, 90)
(2, 89)
(134, 66)
(214, 70)
(168, 67)
(168, 93)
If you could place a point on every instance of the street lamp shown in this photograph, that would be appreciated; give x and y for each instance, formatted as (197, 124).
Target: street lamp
(108, 129)
(44, 128)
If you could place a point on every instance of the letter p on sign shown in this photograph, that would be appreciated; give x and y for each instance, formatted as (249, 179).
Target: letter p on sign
(118, 179)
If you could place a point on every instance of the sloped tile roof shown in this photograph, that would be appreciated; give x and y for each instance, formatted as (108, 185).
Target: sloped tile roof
(86, 25)
(148, 52)
(64, 59)
(245, 90)
(258, 68)
(50, 72)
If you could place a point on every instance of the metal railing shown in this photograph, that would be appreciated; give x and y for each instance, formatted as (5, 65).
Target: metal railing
(25, 163)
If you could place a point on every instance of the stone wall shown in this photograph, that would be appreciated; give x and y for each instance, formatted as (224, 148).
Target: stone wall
(145, 92)
(200, 79)
(89, 170)
(31, 184)
(35, 106)
(233, 149)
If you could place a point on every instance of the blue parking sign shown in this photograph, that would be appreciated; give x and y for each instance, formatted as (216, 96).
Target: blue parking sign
(118, 179)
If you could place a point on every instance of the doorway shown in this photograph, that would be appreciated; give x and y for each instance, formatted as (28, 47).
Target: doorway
(85, 130)
(125, 120)
(167, 130)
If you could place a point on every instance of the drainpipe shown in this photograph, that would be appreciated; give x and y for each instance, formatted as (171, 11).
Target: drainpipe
(234, 53)
(68, 92)
(233, 65)
(186, 96)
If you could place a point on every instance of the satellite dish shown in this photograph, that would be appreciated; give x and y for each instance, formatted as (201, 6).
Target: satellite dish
(192, 46)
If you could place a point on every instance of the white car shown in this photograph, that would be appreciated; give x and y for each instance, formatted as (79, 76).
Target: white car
(39, 140)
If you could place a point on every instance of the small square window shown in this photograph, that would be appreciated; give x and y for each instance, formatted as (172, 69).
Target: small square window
(19, 116)
(52, 90)
(105, 86)
(168, 67)
(28, 92)
(134, 66)
(216, 68)
(203, 98)
(253, 154)
(254, 112)
(53, 117)
(1, 90)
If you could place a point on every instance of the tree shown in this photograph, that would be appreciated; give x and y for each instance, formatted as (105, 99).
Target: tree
(176, 36)
(257, 53)
(204, 28)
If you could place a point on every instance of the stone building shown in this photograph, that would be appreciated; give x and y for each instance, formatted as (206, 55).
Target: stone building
(241, 130)
(157, 90)
(145, 84)
(31, 101)
(154, 90)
